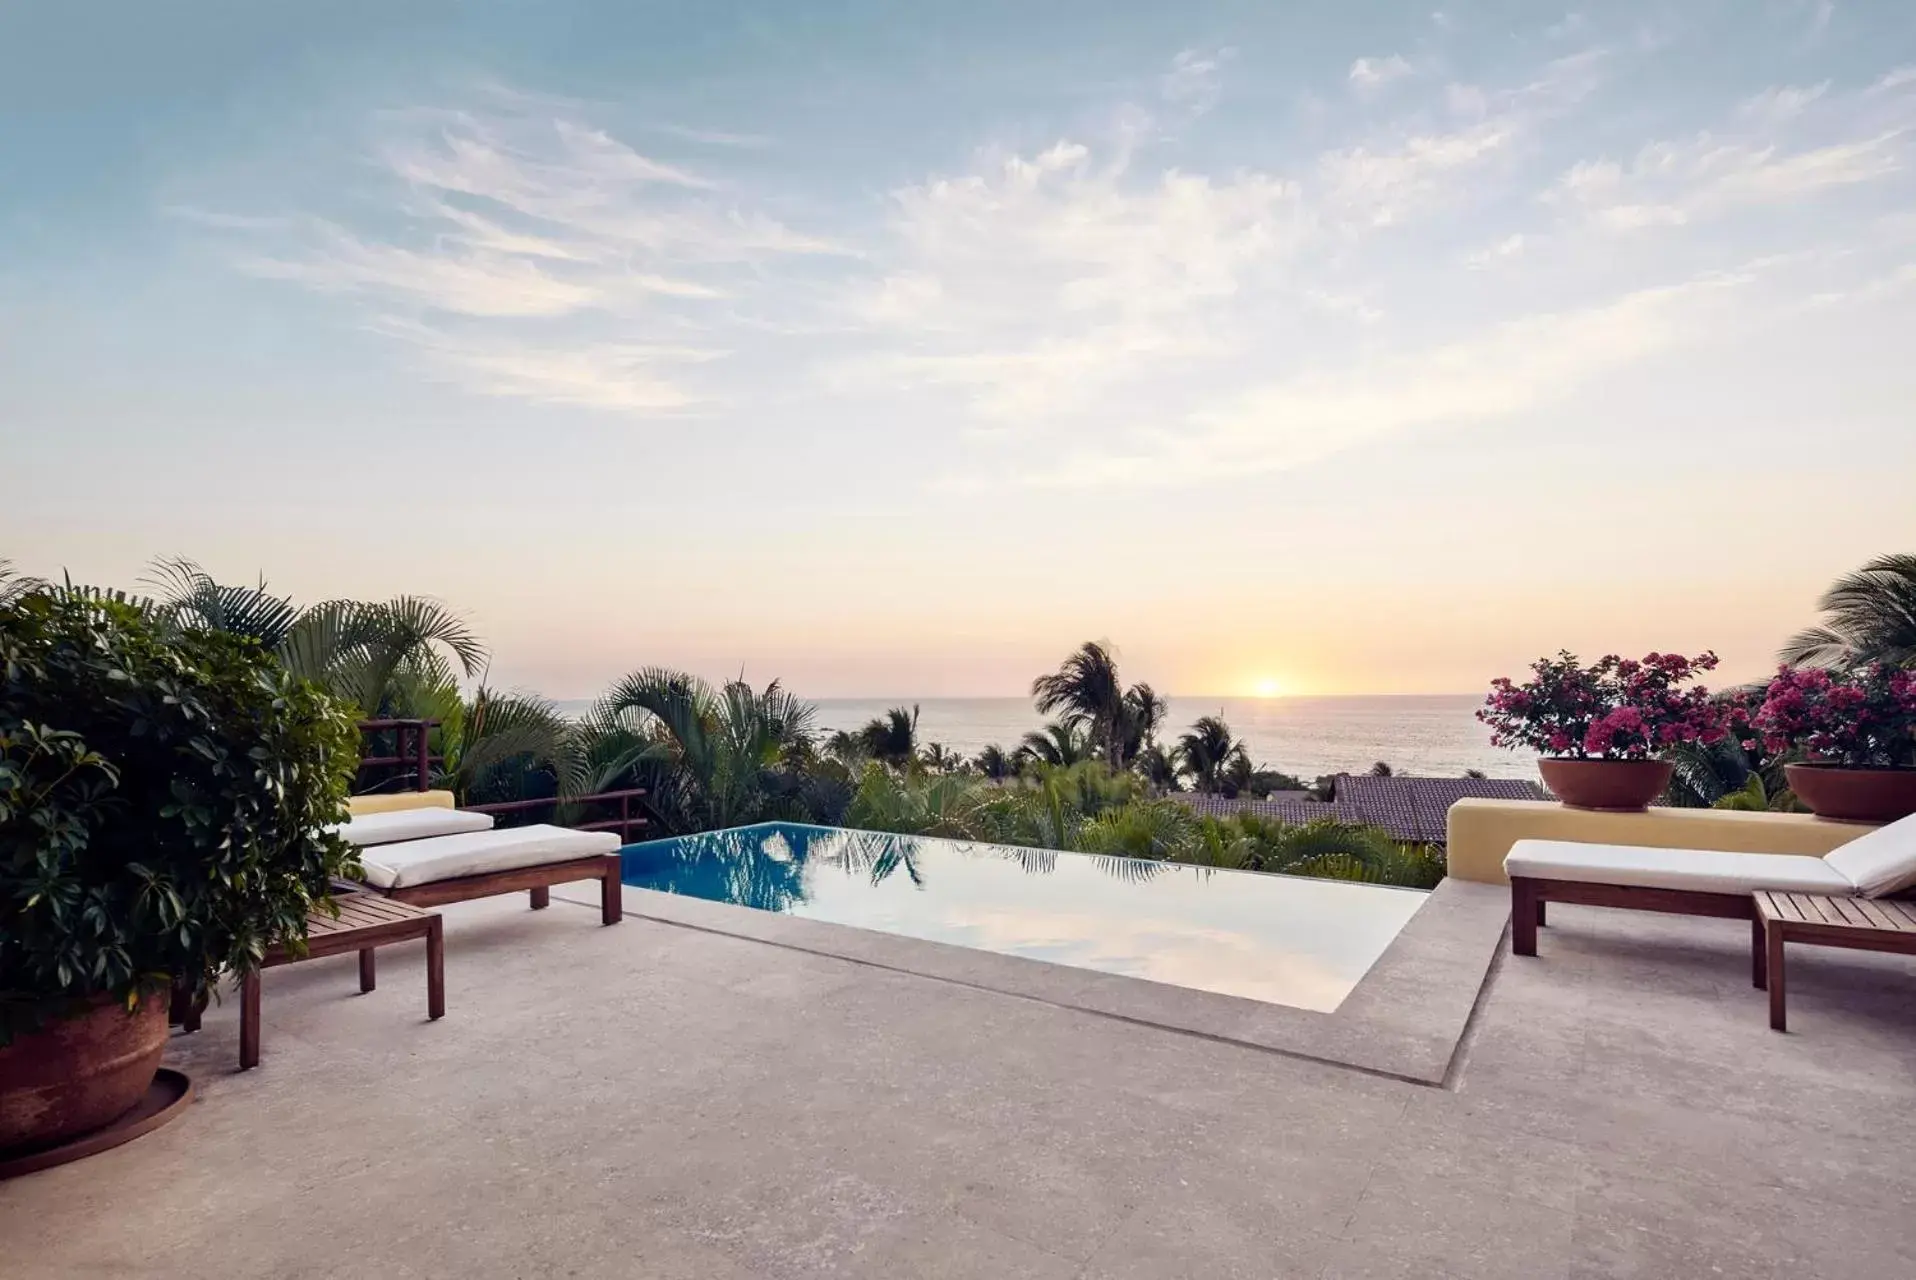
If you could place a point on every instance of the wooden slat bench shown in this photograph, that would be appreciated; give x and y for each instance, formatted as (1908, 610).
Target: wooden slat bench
(1861, 924)
(366, 921)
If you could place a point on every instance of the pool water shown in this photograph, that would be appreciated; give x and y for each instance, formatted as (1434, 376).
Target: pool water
(1281, 939)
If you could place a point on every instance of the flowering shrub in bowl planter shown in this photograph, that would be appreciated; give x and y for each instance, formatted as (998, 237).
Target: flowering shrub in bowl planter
(1855, 732)
(1600, 727)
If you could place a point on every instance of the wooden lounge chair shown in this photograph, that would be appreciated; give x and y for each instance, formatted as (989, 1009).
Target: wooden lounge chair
(432, 855)
(1698, 882)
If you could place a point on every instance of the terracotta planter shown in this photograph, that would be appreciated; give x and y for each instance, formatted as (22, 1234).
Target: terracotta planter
(1854, 795)
(1624, 785)
(77, 1074)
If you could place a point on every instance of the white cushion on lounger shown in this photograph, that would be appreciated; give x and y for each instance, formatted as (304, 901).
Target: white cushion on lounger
(1696, 870)
(415, 862)
(412, 824)
(1881, 862)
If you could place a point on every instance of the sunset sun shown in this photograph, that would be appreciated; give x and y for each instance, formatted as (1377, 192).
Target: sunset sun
(1268, 687)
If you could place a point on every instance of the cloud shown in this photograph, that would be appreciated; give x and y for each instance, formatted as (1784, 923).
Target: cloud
(1033, 281)
(713, 137)
(1194, 82)
(1412, 169)
(1515, 367)
(1895, 79)
(1890, 284)
(524, 251)
(1673, 184)
(1367, 74)
(627, 376)
(1784, 102)
(1384, 186)
(1570, 26)
(1509, 247)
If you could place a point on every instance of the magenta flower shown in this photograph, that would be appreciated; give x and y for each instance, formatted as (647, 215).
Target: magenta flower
(1616, 709)
(1863, 719)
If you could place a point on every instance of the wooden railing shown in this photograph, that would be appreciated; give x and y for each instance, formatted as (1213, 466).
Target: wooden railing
(625, 824)
(412, 761)
(412, 757)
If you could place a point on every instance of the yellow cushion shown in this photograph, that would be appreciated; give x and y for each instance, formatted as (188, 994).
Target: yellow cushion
(393, 801)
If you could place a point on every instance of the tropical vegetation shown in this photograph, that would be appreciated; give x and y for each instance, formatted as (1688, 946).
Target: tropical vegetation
(1614, 709)
(1870, 617)
(165, 798)
(1860, 717)
(1837, 698)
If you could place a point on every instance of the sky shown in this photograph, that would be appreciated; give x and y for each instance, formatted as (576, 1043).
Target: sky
(894, 349)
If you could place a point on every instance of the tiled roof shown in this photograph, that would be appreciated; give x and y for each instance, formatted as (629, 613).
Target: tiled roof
(1285, 806)
(1408, 808)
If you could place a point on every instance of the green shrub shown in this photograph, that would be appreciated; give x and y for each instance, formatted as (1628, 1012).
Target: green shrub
(163, 800)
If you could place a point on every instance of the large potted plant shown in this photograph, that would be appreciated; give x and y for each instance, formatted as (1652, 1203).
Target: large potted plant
(164, 799)
(1600, 728)
(1854, 733)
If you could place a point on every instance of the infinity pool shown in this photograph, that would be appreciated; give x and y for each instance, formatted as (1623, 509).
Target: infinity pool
(1281, 939)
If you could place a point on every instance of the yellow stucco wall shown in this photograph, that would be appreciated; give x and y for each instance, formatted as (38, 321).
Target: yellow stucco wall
(387, 803)
(1482, 831)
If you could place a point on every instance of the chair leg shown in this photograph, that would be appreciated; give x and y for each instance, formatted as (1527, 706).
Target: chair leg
(368, 971)
(436, 969)
(1759, 949)
(541, 898)
(249, 1021)
(1541, 921)
(1779, 1020)
(1526, 911)
(611, 892)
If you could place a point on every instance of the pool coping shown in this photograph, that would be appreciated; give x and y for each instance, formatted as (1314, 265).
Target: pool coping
(1404, 1019)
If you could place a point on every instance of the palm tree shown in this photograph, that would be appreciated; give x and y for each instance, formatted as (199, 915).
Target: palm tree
(942, 806)
(190, 596)
(385, 658)
(511, 747)
(1144, 713)
(1154, 829)
(15, 585)
(1324, 847)
(1210, 750)
(1381, 769)
(714, 755)
(995, 762)
(1870, 617)
(1086, 686)
(847, 746)
(1062, 742)
(371, 654)
(940, 758)
(1161, 766)
(892, 738)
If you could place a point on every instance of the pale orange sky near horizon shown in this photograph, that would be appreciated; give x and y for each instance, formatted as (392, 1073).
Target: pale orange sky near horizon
(1310, 635)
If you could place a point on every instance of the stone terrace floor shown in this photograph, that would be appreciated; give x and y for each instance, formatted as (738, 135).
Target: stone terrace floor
(655, 1101)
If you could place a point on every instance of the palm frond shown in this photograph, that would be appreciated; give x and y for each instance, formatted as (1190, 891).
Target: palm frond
(15, 585)
(1870, 616)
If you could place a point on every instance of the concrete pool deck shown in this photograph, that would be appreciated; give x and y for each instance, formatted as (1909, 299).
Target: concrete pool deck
(661, 1101)
(1405, 1018)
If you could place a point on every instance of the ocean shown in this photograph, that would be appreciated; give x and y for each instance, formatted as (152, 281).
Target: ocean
(1428, 735)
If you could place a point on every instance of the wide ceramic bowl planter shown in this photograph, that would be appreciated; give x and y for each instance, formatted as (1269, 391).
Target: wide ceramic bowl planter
(1626, 786)
(1854, 795)
(77, 1074)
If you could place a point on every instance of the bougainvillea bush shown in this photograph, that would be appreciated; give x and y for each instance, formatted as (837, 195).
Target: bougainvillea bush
(1614, 709)
(1863, 719)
